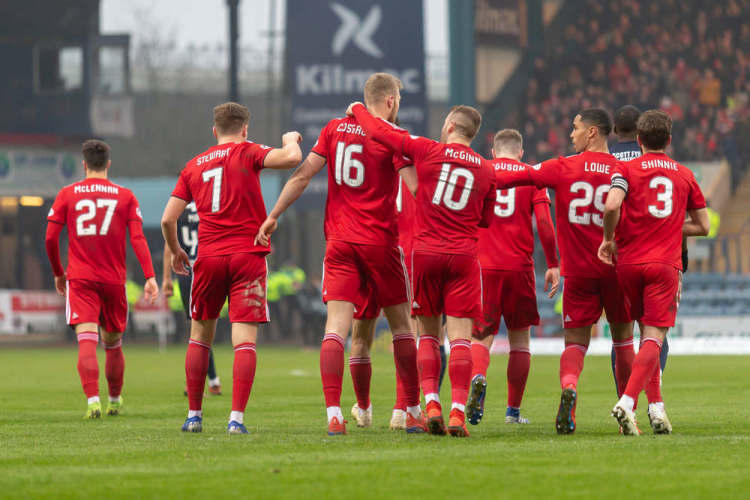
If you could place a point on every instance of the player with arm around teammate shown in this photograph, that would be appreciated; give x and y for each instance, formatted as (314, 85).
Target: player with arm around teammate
(581, 183)
(456, 195)
(363, 265)
(508, 284)
(649, 198)
(98, 213)
(224, 182)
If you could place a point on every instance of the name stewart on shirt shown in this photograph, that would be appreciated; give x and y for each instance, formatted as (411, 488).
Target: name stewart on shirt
(96, 188)
(212, 155)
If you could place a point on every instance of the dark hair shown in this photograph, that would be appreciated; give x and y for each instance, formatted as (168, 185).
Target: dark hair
(467, 120)
(654, 129)
(230, 117)
(95, 154)
(626, 119)
(598, 118)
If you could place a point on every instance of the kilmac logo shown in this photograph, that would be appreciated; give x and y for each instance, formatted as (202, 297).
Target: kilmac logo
(354, 29)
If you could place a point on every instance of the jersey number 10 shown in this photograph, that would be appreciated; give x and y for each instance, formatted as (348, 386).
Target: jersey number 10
(444, 192)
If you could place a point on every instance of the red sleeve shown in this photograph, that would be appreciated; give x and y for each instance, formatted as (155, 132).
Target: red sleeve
(52, 243)
(59, 211)
(620, 176)
(488, 207)
(540, 196)
(138, 242)
(134, 212)
(257, 155)
(695, 198)
(506, 179)
(182, 189)
(401, 161)
(387, 134)
(547, 173)
(546, 231)
(321, 145)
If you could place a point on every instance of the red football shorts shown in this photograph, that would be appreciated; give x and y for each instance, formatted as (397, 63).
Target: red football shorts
(369, 276)
(584, 299)
(651, 290)
(446, 283)
(510, 295)
(241, 277)
(102, 303)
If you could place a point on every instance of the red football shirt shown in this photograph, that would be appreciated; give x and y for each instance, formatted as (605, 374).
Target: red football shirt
(456, 193)
(581, 183)
(96, 213)
(659, 193)
(406, 214)
(224, 182)
(362, 184)
(508, 243)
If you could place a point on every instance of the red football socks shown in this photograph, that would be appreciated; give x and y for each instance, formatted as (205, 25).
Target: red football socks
(519, 361)
(332, 368)
(480, 359)
(571, 364)
(624, 355)
(114, 368)
(459, 371)
(653, 386)
(361, 371)
(407, 374)
(243, 374)
(88, 366)
(644, 365)
(196, 367)
(428, 362)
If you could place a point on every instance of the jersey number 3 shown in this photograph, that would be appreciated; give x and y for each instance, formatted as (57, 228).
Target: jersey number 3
(88, 209)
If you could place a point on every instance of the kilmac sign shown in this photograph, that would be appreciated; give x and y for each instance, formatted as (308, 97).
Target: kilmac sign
(332, 47)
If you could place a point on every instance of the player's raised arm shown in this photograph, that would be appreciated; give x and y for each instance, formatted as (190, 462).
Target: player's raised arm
(379, 130)
(288, 156)
(546, 231)
(293, 189)
(175, 207)
(698, 223)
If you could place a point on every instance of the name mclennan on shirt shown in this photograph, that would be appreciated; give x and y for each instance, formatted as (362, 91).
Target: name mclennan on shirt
(96, 188)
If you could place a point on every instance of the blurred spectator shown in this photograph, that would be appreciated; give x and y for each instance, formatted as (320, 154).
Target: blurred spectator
(688, 57)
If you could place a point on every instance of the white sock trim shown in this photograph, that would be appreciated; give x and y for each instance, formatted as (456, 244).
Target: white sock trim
(195, 413)
(626, 402)
(414, 411)
(237, 416)
(92, 399)
(214, 382)
(433, 396)
(334, 411)
(458, 406)
(114, 400)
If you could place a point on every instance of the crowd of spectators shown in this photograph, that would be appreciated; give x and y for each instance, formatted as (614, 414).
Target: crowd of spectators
(690, 58)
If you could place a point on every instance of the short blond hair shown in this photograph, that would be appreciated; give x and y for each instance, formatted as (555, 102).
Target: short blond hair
(230, 117)
(379, 86)
(467, 120)
(508, 139)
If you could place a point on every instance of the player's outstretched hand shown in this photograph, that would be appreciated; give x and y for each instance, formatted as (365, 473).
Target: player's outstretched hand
(167, 288)
(608, 252)
(349, 110)
(266, 229)
(291, 138)
(552, 281)
(60, 285)
(180, 262)
(150, 290)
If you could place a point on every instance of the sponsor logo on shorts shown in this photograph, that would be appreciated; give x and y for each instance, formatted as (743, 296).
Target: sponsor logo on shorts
(75, 316)
(567, 318)
(415, 305)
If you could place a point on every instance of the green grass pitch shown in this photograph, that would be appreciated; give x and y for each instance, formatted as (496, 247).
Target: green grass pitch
(48, 451)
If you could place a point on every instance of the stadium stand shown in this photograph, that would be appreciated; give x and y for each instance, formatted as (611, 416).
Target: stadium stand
(687, 57)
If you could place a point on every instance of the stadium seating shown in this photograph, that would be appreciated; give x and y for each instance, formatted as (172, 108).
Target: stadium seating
(616, 53)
